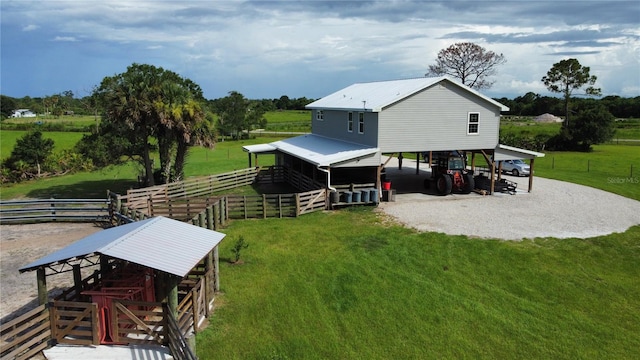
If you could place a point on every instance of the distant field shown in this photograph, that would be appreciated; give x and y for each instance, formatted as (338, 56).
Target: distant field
(625, 129)
(62, 140)
(292, 120)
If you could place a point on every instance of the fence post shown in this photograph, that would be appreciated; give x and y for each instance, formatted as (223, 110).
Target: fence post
(297, 204)
(210, 223)
(53, 209)
(264, 206)
(201, 218)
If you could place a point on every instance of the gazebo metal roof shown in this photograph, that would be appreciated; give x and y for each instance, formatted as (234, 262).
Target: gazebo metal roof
(160, 243)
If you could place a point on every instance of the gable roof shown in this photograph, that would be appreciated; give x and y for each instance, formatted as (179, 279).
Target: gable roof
(316, 149)
(374, 96)
(160, 243)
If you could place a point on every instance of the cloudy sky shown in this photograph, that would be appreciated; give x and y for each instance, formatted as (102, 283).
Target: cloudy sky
(266, 49)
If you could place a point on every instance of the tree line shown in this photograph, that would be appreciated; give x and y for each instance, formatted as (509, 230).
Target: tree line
(148, 109)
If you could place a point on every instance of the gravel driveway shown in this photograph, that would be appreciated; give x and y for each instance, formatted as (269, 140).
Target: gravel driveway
(553, 209)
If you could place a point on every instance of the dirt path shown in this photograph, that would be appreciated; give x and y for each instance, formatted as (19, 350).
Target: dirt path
(22, 244)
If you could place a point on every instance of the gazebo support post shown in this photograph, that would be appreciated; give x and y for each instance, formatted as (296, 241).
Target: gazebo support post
(172, 294)
(216, 269)
(77, 280)
(43, 296)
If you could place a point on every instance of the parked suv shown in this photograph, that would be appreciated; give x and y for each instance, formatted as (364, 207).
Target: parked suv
(515, 167)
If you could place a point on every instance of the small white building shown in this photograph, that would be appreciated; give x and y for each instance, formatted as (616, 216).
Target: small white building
(23, 113)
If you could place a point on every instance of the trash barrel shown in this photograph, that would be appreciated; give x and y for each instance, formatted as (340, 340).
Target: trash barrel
(356, 196)
(334, 197)
(365, 195)
(373, 194)
(347, 196)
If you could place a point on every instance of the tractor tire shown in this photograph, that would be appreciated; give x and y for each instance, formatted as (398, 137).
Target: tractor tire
(469, 184)
(444, 184)
(427, 183)
(515, 172)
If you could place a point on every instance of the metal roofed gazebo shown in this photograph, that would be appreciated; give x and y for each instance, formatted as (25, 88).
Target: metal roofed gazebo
(157, 243)
(170, 246)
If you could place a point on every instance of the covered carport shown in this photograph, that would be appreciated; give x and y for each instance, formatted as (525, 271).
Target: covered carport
(505, 152)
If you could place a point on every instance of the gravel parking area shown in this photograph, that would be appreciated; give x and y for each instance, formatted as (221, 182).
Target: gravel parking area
(553, 209)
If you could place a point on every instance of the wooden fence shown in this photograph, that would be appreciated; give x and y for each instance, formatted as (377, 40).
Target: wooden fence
(190, 188)
(27, 335)
(49, 210)
(75, 323)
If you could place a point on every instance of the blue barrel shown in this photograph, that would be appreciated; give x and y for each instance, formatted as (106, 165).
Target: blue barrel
(347, 196)
(356, 196)
(374, 195)
(365, 195)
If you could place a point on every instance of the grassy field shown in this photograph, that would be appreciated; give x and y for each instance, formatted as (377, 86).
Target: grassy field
(614, 168)
(349, 285)
(62, 140)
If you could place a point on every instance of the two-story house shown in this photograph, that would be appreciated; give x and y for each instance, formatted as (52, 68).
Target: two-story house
(353, 127)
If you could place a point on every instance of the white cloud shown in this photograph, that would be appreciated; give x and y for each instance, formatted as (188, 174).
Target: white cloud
(65, 38)
(332, 42)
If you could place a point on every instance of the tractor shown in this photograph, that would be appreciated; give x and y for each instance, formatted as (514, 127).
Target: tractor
(449, 173)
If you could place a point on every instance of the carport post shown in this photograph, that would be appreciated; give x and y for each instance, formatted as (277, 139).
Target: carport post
(249, 154)
(43, 297)
(530, 175)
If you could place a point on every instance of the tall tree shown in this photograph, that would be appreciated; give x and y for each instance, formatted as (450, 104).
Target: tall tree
(7, 106)
(237, 114)
(566, 76)
(153, 102)
(469, 62)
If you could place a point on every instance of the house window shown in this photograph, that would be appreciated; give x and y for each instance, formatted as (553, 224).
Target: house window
(473, 123)
(350, 122)
(361, 123)
(320, 115)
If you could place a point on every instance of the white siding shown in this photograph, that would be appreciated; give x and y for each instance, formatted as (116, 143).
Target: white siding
(436, 119)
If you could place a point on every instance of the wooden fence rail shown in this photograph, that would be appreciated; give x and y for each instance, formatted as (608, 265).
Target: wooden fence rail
(25, 336)
(48, 210)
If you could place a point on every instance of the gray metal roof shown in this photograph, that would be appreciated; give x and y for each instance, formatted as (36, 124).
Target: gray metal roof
(160, 243)
(374, 96)
(316, 149)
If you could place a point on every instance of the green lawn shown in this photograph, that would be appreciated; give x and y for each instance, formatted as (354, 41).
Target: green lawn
(614, 168)
(347, 285)
(62, 140)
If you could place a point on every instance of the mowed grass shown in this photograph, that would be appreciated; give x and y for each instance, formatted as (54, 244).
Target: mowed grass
(62, 140)
(614, 168)
(348, 285)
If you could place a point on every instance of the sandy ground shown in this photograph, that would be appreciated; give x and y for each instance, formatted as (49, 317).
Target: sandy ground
(552, 209)
(22, 244)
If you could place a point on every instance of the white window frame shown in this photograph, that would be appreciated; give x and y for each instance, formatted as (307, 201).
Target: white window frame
(360, 123)
(475, 122)
(320, 115)
(350, 122)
